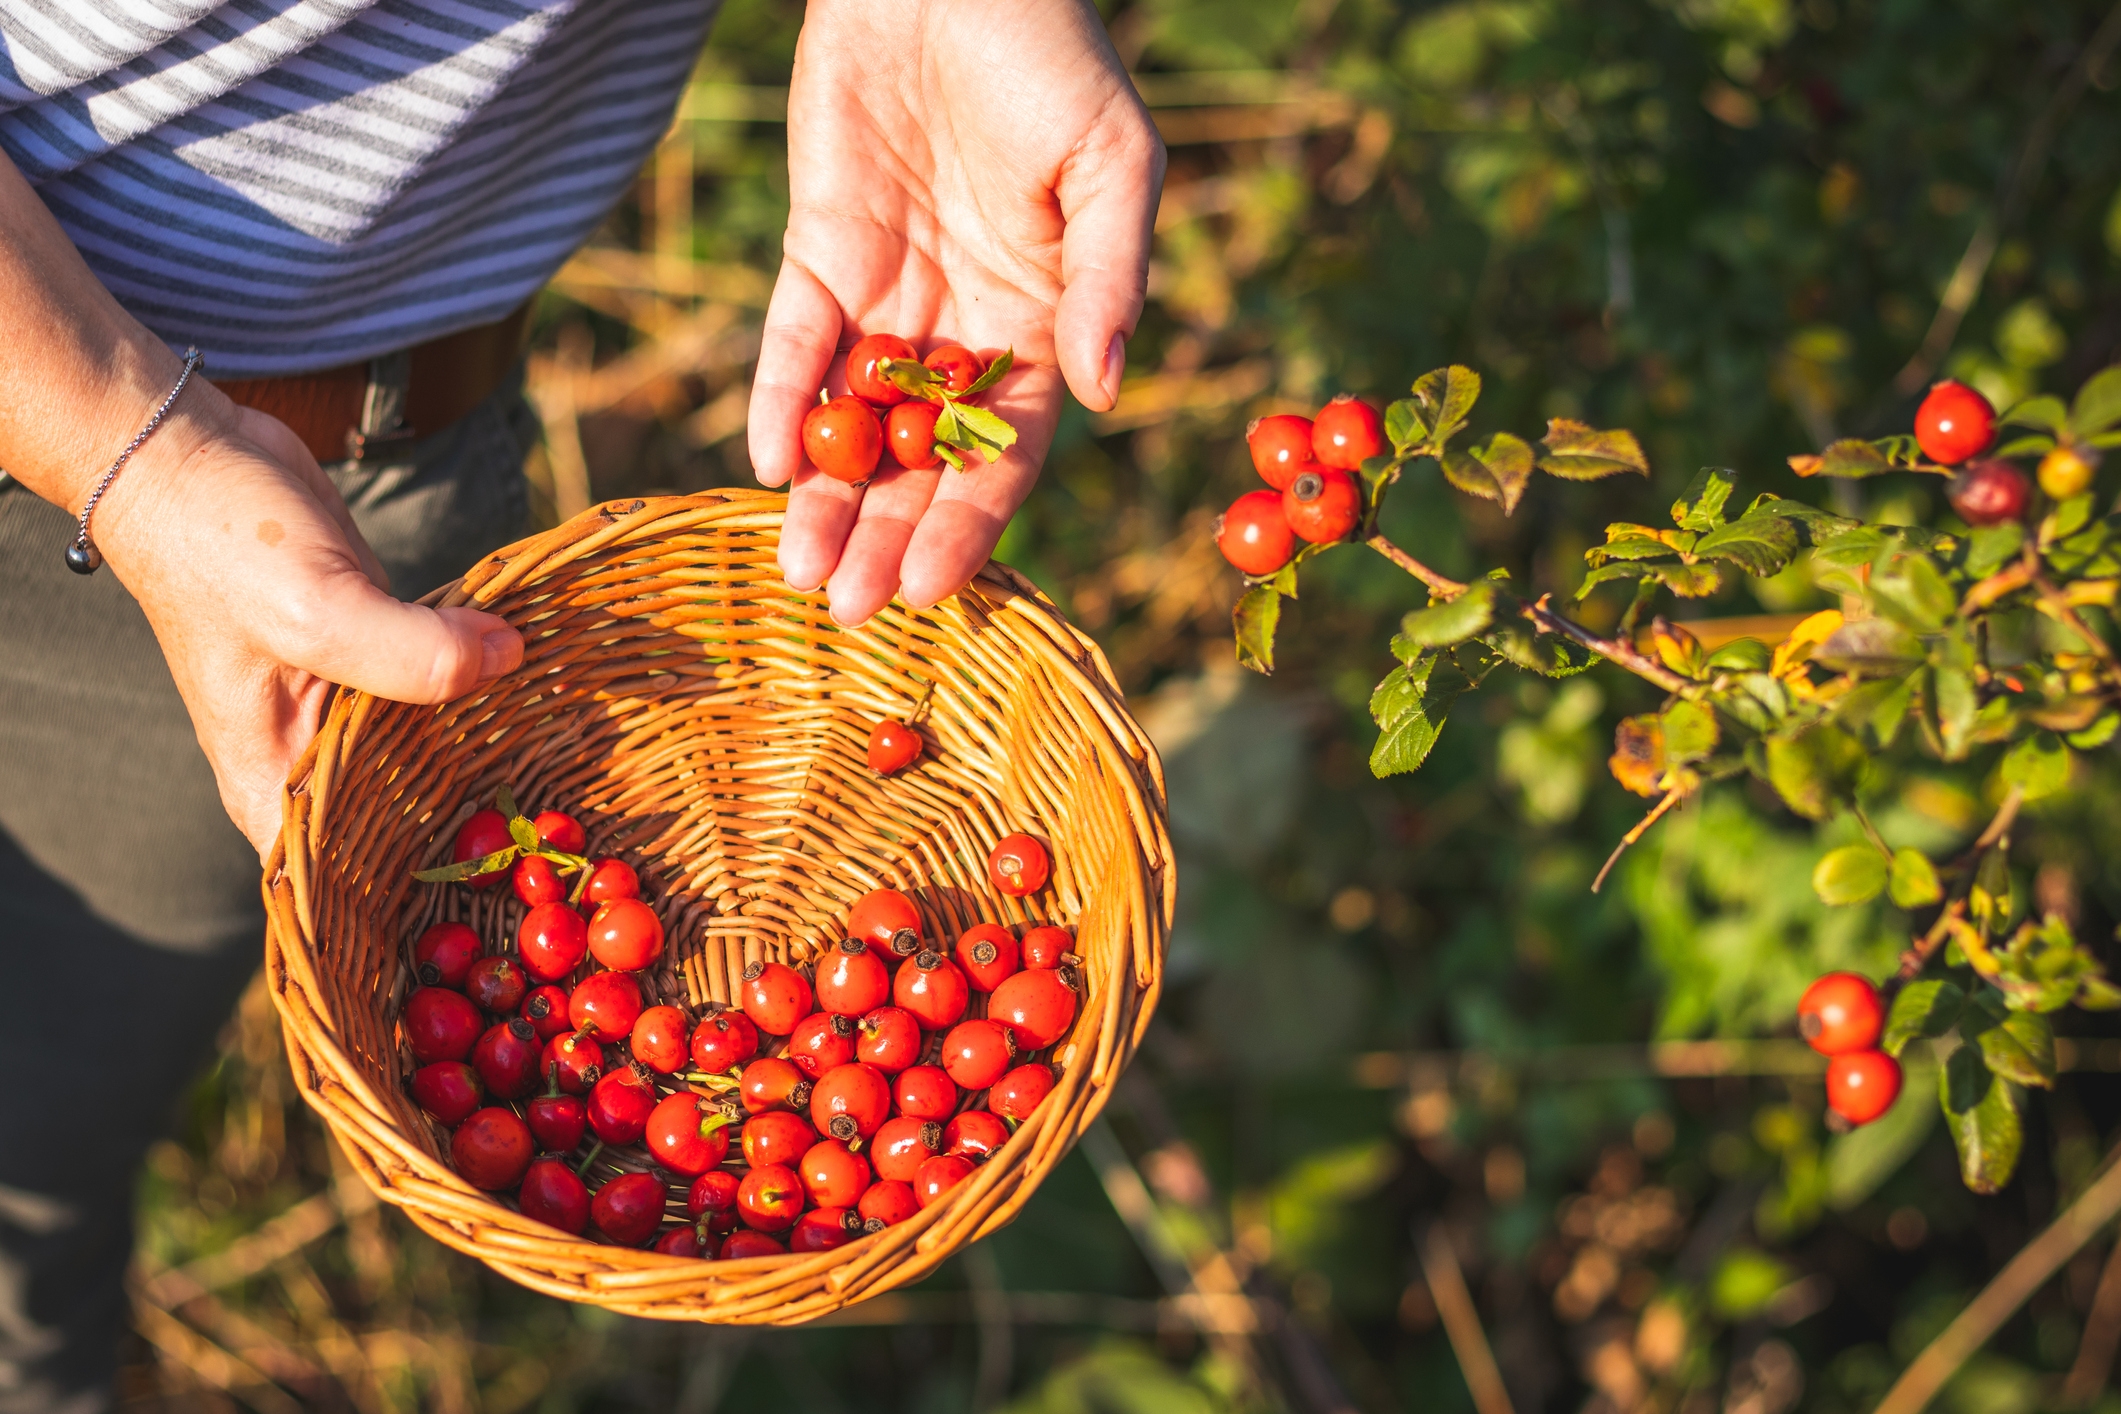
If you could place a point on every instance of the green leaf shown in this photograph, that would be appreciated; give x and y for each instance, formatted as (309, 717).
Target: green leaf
(1448, 395)
(1690, 732)
(1740, 655)
(1815, 769)
(996, 371)
(2098, 403)
(911, 377)
(2032, 443)
(2021, 1047)
(1851, 457)
(504, 800)
(1441, 625)
(1257, 615)
(1991, 896)
(1628, 547)
(1497, 471)
(1956, 704)
(1983, 1117)
(470, 868)
(1578, 452)
(1914, 880)
(1852, 874)
(524, 834)
(1404, 425)
(1929, 1007)
(1914, 593)
(983, 431)
(1990, 547)
(1548, 655)
(1687, 581)
(1869, 647)
(1409, 707)
(1700, 506)
(2038, 765)
(2098, 734)
(1757, 544)
(2044, 412)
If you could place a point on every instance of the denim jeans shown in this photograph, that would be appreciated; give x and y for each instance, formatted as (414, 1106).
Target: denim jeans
(129, 911)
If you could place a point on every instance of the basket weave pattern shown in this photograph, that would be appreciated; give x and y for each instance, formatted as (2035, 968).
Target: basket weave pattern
(711, 725)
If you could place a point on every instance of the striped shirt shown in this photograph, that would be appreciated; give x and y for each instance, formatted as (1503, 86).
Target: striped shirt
(297, 184)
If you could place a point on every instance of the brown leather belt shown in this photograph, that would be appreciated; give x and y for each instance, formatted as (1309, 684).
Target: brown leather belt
(370, 408)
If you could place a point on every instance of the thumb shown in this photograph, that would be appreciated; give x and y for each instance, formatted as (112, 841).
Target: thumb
(1108, 193)
(352, 633)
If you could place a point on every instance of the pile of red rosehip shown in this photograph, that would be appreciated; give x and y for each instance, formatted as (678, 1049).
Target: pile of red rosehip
(1842, 1016)
(1311, 465)
(837, 1099)
(1955, 424)
(894, 399)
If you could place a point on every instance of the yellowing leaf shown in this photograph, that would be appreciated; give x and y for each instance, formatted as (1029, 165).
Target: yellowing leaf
(1638, 760)
(1579, 452)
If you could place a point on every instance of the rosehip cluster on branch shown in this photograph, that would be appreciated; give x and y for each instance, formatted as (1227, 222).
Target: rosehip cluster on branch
(1311, 465)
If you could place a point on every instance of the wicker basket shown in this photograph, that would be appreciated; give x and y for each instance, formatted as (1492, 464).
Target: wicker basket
(711, 724)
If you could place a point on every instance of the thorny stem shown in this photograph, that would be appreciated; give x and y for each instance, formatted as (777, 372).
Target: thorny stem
(1919, 953)
(1642, 826)
(1444, 586)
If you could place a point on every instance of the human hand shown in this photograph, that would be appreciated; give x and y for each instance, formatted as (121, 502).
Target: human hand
(962, 171)
(262, 594)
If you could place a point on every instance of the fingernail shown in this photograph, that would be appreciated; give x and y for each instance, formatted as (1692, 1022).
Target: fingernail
(1115, 365)
(499, 651)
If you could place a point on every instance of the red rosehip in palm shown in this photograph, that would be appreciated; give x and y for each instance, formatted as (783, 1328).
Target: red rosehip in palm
(619, 1105)
(909, 432)
(932, 989)
(658, 1039)
(545, 1008)
(959, 366)
(1839, 1013)
(1035, 1004)
(886, 1202)
(1018, 865)
(629, 1208)
(625, 935)
(865, 380)
(506, 1058)
(822, 1229)
(843, 439)
(777, 1137)
(1280, 447)
(987, 953)
(1862, 1085)
(888, 1038)
(496, 984)
(1989, 493)
(448, 1090)
(773, 1083)
(1954, 423)
(1017, 1094)
(444, 954)
(576, 1063)
(850, 1101)
(1322, 505)
(974, 1135)
(893, 746)
(609, 879)
(833, 1175)
(491, 1149)
(486, 832)
(978, 1053)
(902, 1145)
(775, 997)
(687, 1135)
(440, 1025)
(1347, 432)
(819, 1042)
(536, 880)
(605, 1005)
(852, 980)
(723, 1041)
(745, 1242)
(561, 831)
(1046, 947)
(924, 1092)
(886, 920)
(554, 1195)
(552, 940)
(938, 1176)
(1254, 534)
(770, 1198)
(558, 1121)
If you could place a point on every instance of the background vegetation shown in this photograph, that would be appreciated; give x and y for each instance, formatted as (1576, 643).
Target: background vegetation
(1403, 1040)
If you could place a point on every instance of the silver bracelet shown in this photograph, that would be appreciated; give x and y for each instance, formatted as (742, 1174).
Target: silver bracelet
(82, 557)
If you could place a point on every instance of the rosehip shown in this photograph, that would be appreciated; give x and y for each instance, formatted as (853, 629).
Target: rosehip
(775, 997)
(1037, 1005)
(772, 1083)
(1862, 1085)
(496, 984)
(1347, 432)
(1322, 505)
(1017, 1094)
(561, 831)
(724, 1041)
(843, 439)
(1044, 947)
(444, 954)
(545, 1008)
(833, 1174)
(491, 1149)
(1018, 865)
(658, 1039)
(959, 366)
(769, 1198)
(712, 1192)
(886, 920)
(625, 935)
(746, 1243)
(552, 941)
(938, 1176)
(681, 1242)
(974, 1135)
(629, 1208)
(852, 980)
(577, 1062)
(850, 1101)
(536, 881)
(605, 1005)
(1254, 535)
(1989, 493)
(553, 1195)
(889, 1039)
(686, 1135)
(909, 431)
(819, 1042)
(978, 1053)
(1280, 447)
(558, 1120)
(506, 1058)
(448, 1090)
(1953, 423)
(609, 879)
(822, 1229)
(486, 832)
(903, 1145)
(2067, 471)
(777, 1137)
(865, 380)
(619, 1106)
(893, 746)
(1841, 1012)
(924, 1092)
(931, 987)
(885, 1203)
(440, 1025)
(987, 953)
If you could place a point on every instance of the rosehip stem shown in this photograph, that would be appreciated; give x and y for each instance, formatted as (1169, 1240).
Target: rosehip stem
(582, 1169)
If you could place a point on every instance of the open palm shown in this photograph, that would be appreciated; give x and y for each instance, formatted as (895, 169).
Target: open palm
(964, 172)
